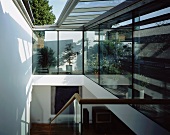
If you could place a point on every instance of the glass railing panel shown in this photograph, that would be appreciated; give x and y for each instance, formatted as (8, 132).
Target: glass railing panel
(160, 113)
(98, 119)
(69, 121)
(78, 127)
(101, 119)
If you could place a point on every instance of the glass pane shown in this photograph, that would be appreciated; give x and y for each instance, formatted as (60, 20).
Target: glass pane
(44, 52)
(99, 119)
(91, 56)
(116, 58)
(152, 55)
(99, 4)
(159, 113)
(87, 13)
(69, 121)
(70, 52)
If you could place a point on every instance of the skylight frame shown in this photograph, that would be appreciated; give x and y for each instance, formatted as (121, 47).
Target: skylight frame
(73, 12)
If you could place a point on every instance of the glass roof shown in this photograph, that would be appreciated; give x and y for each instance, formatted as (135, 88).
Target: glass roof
(86, 13)
(83, 11)
(104, 3)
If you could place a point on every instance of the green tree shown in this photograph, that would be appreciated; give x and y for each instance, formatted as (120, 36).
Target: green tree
(68, 55)
(46, 57)
(42, 12)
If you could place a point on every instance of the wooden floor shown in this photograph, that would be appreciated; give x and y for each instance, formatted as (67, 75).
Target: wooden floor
(63, 129)
(56, 129)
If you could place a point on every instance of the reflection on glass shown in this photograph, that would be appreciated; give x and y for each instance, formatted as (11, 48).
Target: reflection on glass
(91, 55)
(155, 14)
(152, 55)
(100, 119)
(158, 113)
(70, 52)
(99, 3)
(116, 58)
(44, 52)
(49, 57)
(151, 58)
(87, 13)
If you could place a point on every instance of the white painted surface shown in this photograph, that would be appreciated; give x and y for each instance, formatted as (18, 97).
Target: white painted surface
(97, 90)
(86, 94)
(41, 104)
(58, 80)
(41, 95)
(15, 70)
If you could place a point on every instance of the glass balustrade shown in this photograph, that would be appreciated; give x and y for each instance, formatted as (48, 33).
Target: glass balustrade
(92, 118)
(160, 113)
(68, 121)
(99, 119)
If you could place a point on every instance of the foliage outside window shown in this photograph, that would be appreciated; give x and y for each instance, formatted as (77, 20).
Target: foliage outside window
(46, 59)
(42, 12)
(68, 55)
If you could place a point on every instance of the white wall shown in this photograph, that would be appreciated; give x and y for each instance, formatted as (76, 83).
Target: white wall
(86, 94)
(41, 94)
(140, 124)
(41, 104)
(15, 70)
(58, 80)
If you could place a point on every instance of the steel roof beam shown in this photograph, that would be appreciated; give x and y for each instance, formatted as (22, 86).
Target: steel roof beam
(93, 0)
(119, 10)
(70, 5)
(92, 9)
(82, 17)
(75, 22)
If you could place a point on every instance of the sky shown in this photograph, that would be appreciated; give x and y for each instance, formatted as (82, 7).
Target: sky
(58, 6)
(52, 35)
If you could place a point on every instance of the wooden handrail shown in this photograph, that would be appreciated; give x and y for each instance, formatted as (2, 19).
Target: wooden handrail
(124, 101)
(111, 101)
(75, 96)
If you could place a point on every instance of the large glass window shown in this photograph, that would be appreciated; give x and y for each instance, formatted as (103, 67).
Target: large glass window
(44, 52)
(133, 45)
(91, 54)
(116, 57)
(57, 56)
(152, 62)
(70, 52)
(152, 56)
